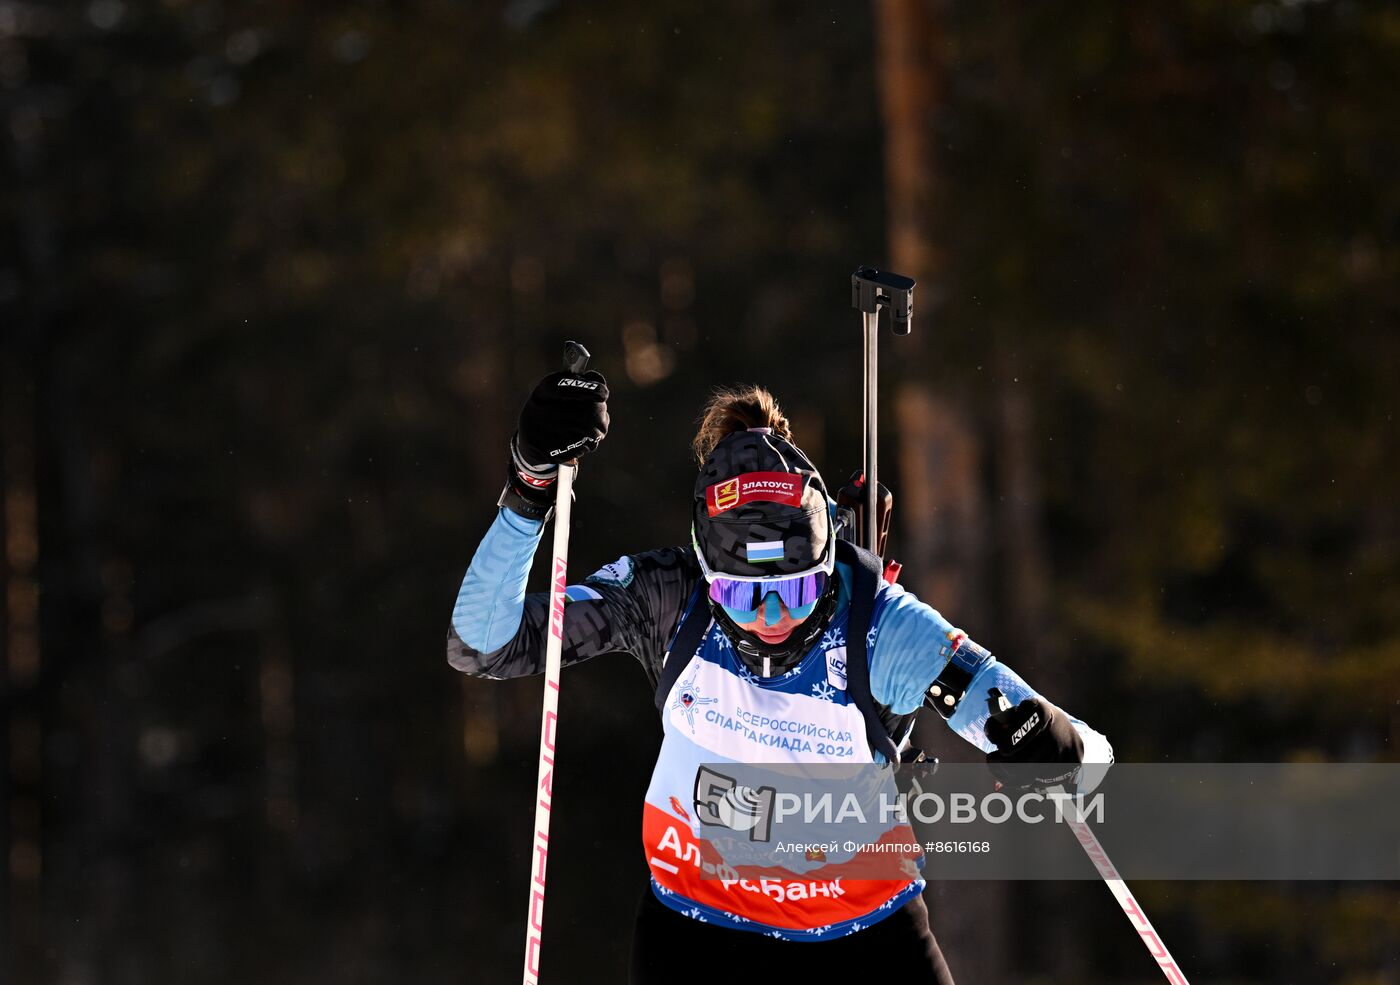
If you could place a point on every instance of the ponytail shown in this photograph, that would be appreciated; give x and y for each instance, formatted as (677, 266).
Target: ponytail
(738, 408)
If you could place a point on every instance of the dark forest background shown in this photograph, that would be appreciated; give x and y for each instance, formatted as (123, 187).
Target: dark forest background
(274, 278)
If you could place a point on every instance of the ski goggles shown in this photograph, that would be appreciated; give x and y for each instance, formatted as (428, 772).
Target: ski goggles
(796, 591)
(742, 595)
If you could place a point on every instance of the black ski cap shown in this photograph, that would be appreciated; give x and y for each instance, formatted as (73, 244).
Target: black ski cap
(760, 507)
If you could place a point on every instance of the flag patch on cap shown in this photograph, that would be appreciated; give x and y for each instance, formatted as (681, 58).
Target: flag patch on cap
(767, 550)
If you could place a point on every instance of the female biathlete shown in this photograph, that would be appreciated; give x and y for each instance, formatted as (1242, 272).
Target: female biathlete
(766, 682)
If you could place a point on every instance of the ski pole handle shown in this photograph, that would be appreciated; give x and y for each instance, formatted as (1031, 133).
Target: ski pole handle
(576, 357)
(575, 361)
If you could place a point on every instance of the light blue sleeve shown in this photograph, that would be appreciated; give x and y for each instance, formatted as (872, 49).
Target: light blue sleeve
(910, 644)
(492, 597)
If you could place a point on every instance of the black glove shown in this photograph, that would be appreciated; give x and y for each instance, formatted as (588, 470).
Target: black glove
(1037, 745)
(566, 416)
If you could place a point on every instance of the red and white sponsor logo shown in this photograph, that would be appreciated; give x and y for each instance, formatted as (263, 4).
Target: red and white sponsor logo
(561, 576)
(534, 481)
(754, 487)
(535, 935)
(774, 895)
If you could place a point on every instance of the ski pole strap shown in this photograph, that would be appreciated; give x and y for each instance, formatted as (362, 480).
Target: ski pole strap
(866, 568)
(694, 621)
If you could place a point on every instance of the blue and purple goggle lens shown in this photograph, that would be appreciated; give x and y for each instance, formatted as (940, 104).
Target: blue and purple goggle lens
(796, 592)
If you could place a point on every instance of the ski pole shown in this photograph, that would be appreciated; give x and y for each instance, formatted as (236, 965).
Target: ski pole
(575, 361)
(1090, 843)
(1150, 938)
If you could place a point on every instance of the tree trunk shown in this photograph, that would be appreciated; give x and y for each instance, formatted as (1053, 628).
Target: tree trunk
(21, 866)
(1024, 569)
(905, 48)
(941, 506)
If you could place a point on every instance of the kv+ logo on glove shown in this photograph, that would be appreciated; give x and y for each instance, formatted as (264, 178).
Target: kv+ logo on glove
(1037, 745)
(566, 416)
